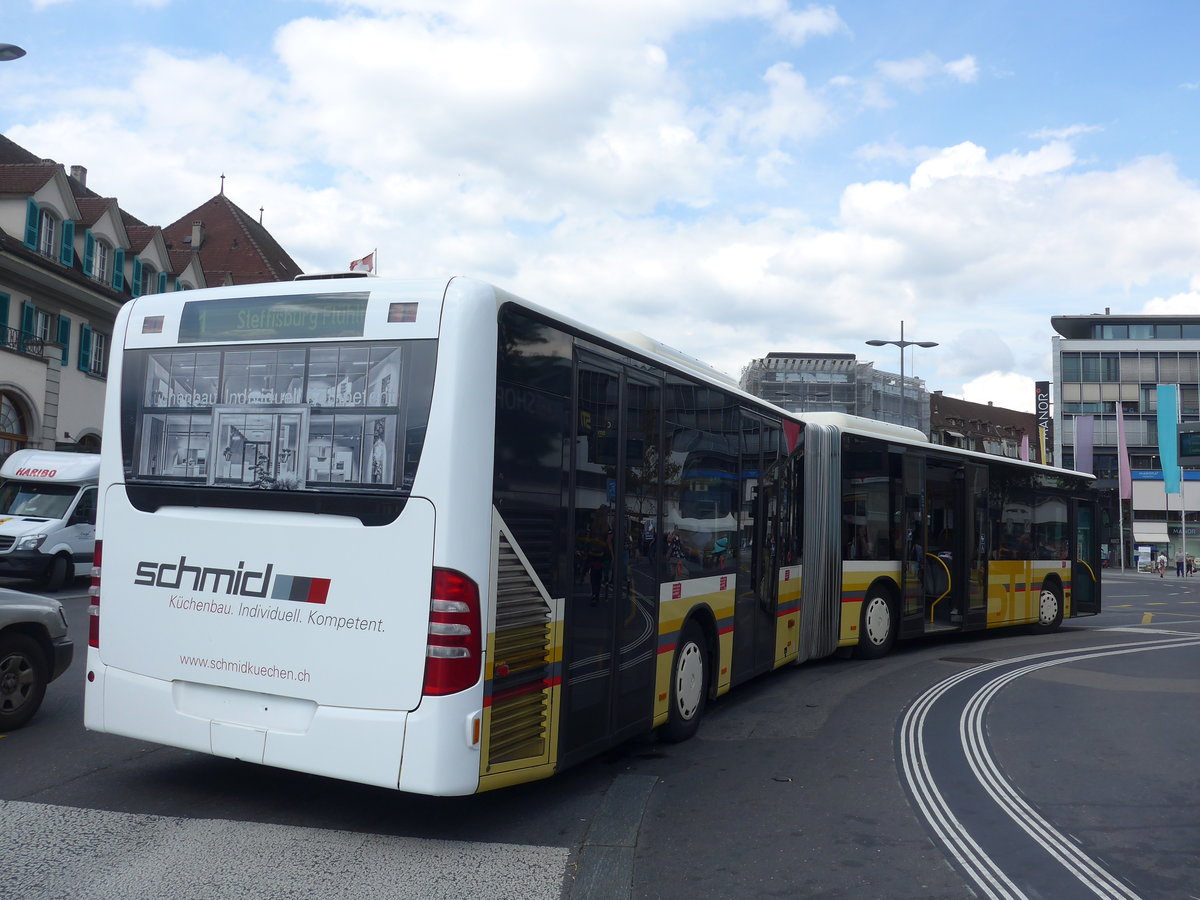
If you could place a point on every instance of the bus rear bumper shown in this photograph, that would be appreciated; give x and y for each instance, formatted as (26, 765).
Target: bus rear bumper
(358, 745)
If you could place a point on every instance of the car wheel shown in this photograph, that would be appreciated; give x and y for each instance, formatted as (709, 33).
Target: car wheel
(22, 680)
(689, 685)
(56, 574)
(876, 626)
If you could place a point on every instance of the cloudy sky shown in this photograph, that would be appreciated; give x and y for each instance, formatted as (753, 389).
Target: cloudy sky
(728, 176)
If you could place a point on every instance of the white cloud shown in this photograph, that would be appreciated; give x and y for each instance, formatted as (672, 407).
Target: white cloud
(910, 73)
(1185, 303)
(798, 27)
(965, 70)
(1005, 389)
(1064, 134)
(563, 154)
(791, 110)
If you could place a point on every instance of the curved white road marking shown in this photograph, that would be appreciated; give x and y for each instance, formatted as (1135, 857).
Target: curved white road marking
(984, 871)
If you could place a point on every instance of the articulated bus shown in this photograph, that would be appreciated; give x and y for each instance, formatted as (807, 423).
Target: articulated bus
(429, 536)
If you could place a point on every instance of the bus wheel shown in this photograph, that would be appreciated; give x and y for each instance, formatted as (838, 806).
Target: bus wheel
(876, 627)
(1050, 610)
(689, 685)
(56, 573)
(22, 680)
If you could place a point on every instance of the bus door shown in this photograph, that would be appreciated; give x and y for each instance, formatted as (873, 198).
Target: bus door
(912, 524)
(976, 544)
(1085, 561)
(945, 577)
(611, 618)
(758, 576)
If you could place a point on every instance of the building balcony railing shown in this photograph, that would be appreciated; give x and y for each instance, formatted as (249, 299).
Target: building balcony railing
(22, 342)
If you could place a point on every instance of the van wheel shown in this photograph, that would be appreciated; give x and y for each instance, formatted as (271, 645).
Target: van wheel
(56, 574)
(22, 680)
(689, 685)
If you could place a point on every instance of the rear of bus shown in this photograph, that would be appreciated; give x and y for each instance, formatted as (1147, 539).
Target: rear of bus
(283, 502)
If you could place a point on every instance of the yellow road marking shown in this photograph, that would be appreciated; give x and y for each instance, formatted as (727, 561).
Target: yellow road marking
(1147, 618)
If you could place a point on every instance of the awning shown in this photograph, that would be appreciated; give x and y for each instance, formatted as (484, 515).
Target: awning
(1150, 532)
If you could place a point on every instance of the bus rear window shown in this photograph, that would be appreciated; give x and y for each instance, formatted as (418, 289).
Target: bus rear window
(284, 417)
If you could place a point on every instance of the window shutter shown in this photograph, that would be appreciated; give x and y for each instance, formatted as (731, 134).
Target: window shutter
(4, 300)
(162, 282)
(27, 313)
(118, 281)
(67, 257)
(89, 253)
(31, 223)
(135, 289)
(64, 337)
(178, 285)
(85, 348)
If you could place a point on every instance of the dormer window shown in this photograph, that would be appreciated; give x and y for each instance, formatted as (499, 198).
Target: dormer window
(47, 244)
(102, 262)
(149, 282)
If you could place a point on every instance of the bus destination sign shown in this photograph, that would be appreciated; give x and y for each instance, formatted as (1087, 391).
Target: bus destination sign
(291, 317)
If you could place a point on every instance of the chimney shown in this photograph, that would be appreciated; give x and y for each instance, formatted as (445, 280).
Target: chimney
(197, 235)
(79, 173)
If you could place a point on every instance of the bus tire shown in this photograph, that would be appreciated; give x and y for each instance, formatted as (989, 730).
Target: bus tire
(689, 685)
(1050, 609)
(57, 572)
(876, 624)
(23, 680)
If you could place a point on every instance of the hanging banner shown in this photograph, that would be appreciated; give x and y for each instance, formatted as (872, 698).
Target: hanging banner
(1168, 436)
(1085, 435)
(1045, 424)
(1125, 475)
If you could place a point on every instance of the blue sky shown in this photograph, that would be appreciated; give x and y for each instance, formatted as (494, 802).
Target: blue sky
(728, 177)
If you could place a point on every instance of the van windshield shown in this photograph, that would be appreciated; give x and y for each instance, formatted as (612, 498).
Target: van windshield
(40, 501)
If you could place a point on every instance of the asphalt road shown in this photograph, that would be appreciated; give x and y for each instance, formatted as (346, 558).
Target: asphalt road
(986, 765)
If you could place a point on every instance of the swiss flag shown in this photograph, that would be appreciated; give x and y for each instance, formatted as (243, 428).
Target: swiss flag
(367, 263)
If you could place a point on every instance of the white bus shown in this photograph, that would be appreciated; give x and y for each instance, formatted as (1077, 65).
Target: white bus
(426, 535)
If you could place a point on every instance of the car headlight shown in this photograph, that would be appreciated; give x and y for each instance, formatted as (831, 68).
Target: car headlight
(31, 541)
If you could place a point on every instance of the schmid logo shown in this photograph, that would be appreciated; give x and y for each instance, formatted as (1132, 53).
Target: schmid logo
(36, 473)
(239, 581)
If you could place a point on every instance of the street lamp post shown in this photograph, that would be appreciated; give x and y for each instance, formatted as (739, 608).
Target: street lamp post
(10, 51)
(902, 343)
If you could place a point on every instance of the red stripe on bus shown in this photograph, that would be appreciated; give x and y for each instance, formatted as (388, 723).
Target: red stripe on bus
(533, 688)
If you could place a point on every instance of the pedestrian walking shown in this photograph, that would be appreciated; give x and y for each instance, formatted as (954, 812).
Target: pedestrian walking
(1162, 564)
(1180, 559)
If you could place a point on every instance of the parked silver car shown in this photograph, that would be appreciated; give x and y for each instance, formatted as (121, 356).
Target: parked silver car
(34, 650)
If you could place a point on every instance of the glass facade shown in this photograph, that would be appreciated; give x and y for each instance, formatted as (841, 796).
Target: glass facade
(1093, 380)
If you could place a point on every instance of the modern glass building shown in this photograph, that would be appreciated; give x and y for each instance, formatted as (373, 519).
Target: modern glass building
(1103, 360)
(837, 382)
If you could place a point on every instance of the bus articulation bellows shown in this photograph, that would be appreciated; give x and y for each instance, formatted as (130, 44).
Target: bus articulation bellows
(425, 535)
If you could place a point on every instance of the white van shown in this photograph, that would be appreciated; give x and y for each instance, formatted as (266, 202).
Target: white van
(48, 515)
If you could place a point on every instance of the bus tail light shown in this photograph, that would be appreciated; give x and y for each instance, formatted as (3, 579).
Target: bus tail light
(94, 602)
(454, 653)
